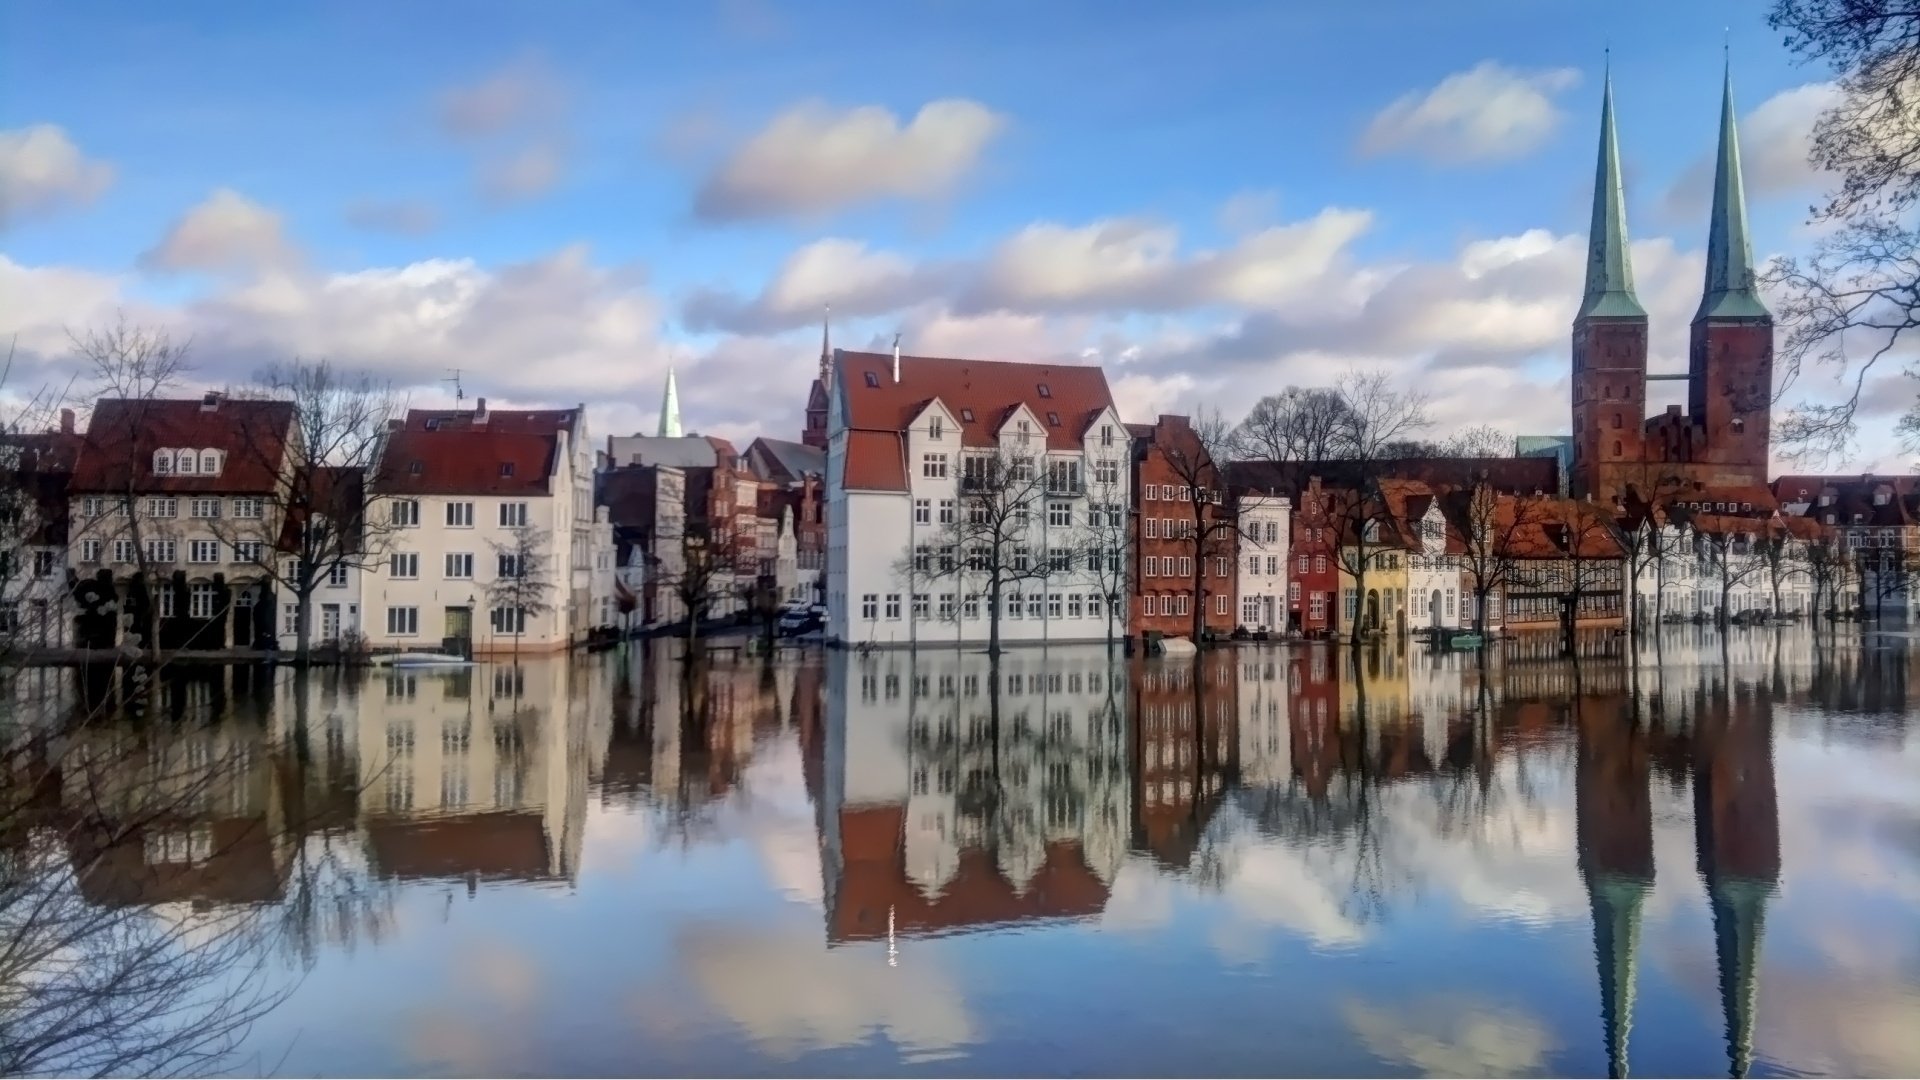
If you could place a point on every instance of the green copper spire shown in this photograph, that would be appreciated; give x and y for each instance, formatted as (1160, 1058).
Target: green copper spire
(1730, 288)
(1609, 265)
(1739, 921)
(1617, 904)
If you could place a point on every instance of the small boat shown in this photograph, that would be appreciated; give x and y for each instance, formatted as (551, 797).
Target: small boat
(1177, 646)
(1466, 640)
(420, 659)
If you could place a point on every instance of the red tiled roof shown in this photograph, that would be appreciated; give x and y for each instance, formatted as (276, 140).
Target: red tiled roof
(875, 462)
(510, 421)
(335, 493)
(474, 461)
(989, 388)
(122, 435)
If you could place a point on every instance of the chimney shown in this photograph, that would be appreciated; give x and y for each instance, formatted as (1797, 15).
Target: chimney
(896, 359)
(66, 421)
(480, 410)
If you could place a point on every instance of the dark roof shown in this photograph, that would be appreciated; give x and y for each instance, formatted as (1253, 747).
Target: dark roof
(787, 462)
(989, 388)
(473, 461)
(122, 435)
(510, 421)
(337, 493)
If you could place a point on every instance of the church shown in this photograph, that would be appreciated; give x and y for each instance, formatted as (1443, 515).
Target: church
(1720, 441)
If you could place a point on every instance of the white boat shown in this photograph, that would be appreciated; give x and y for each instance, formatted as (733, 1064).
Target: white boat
(420, 659)
(1177, 646)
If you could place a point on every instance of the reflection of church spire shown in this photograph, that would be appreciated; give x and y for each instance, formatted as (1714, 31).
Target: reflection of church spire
(1737, 832)
(1614, 819)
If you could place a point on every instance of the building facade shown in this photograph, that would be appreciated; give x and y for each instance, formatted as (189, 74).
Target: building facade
(1266, 580)
(1185, 547)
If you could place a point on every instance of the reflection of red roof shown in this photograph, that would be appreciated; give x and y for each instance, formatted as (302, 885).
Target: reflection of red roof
(240, 867)
(466, 462)
(122, 435)
(498, 844)
(990, 389)
(873, 883)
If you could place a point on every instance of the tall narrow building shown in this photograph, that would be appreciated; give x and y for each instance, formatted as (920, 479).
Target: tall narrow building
(1609, 336)
(1731, 346)
(670, 409)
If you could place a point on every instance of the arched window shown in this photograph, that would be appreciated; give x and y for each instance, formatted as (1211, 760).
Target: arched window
(188, 463)
(1738, 425)
(1616, 421)
(210, 462)
(163, 462)
(1616, 448)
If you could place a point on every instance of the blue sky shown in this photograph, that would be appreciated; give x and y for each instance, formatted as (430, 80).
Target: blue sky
(563, 199)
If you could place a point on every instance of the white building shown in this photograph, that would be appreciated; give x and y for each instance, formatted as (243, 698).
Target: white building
(1434, 567)
(911, 440)
(493, 542)
(1265, 529)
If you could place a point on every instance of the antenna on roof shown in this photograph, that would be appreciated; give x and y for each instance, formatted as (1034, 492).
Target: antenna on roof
(459, 394)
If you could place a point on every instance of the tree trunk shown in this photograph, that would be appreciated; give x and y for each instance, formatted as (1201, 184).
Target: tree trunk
(1199, 597)
(993, 624)
(303, 637)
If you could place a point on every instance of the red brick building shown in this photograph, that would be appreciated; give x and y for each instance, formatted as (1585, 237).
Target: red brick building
(1168, 541)
(1313, 573)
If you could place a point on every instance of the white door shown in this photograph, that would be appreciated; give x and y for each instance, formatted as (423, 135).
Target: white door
(329, 622)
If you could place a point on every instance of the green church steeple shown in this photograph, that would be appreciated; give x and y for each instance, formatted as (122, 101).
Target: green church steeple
(1730, 292)
(1609, 292)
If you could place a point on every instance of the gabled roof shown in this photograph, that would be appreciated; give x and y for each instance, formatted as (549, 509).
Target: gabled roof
(778, 459)
(123, 433)
(986, 389)
(466, 461)
(512, 421)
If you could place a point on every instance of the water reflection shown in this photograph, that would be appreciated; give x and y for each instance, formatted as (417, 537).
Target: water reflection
(1402, 848)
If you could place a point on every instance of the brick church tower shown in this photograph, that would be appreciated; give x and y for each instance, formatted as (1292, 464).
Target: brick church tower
(1722, 439)
(815, 433)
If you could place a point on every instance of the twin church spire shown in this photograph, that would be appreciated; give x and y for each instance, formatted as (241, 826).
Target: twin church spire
(1730, 292)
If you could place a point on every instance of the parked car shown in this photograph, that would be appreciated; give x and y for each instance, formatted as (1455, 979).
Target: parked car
(796, 619)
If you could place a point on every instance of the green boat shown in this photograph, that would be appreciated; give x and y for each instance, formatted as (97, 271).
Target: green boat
(1466, 640)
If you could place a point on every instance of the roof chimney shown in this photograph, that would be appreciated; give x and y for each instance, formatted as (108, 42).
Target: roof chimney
(480, 410)
(66, 421)
(896, 359)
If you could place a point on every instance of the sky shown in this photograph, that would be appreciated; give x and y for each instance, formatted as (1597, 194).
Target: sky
(560, 201)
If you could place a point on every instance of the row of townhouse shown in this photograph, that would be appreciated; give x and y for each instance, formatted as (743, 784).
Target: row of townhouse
(185, 520)
(1875, 524)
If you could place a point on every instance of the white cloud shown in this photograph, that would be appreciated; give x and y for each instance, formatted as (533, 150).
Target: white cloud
(42, 170)
(520, 94)
(1445, 1036)
(1774, 139)
(526, 173)
(407, 217)
(813, 159)
(1487, 113)
(848, 274)
(226, 232)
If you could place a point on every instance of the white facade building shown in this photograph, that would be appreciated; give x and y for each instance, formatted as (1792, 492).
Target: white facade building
(908, 436)
(1265, 530)
(1434, 571)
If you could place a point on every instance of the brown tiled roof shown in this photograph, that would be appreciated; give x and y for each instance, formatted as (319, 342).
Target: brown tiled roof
(510, 421)
(122, 434)
(495, 844)
(475, 461)
(989, 388)
(875, 461)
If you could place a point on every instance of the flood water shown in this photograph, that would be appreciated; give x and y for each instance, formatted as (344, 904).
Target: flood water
(1261, 862)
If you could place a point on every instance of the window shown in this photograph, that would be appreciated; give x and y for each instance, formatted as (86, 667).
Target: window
(1054, 602)
(933, 466)
(210, 462)
(936, 428)
(403, 564)
(1106, 471)
(1153, 528)
(922, 559)
(1616, 448)
(460, 564)
(1024, 432)
(1184, 601)
(870, 606)
(89, 551)
(337, 576)
(1061, 561)
(203, 551)
(1253, 564)
(1317, 607)
(1022, 558)
(1059, 514)
(1273, 532)
(160, 551)
(204, 508)
(1149, 566)
(509, 620)
(1014, 608)
(1293, 593)
(163, 462)
(1303, 564)
(946, 607)
(1149, 492)
(1219, 605)
(1186, 566)
(923, 511)
(200, 601)
(506, 468)
(922, 606)
(893, 605)
(1106, 434)
(163, 508)
(1273, 565)
(43, 564)
(1033, 605)
(1053, 419)
(123, 551)
(513, 515)
(1319, 564)
(1045, 391)
(460, 515)
(1347, 602)
(872, 379)
(403, 621)
(1616, 421)
(508, 565)
(404, 513)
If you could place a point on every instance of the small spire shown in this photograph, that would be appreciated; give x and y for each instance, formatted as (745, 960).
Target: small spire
(826, 348)
(1730, 289)
(1609, 290)
(670, 409)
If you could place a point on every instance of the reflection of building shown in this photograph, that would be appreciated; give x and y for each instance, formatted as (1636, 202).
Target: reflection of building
(1614, 817)
(1737, 834)
(960, 794)
(1187, 752)
(478, 772)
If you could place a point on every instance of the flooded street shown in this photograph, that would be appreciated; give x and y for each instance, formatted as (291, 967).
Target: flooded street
(1267, 860)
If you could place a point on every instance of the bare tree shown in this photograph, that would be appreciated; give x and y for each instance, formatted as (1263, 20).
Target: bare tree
(521, 588)
(1591, 564)
(1478, 441)
(1208, 525)
(693, 563)
(1106, 551)
(1493, 528)
(1296, 425)
(1376, 418)
(1853, 301)
(1727, 550)
(321, 520)
(1884, 574)
(990, 545)
(1785, 556)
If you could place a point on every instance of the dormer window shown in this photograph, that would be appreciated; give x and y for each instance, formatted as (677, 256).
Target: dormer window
(414, 467)
(210, 462)
(1053, 419)
(873, 379)
(163, 462)
(506, 468)
(936, 429)
(188, 463)
(1880, 498)
(1044, 391)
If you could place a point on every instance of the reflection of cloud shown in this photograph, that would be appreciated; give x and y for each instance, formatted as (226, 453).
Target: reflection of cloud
(1453, 1037)
(1140, 899)
(1274, 885)
(792, 996)
(454, 1043)
(498, 971)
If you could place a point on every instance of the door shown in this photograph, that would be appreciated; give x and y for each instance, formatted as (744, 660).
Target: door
(329, 622)
(1268, 612)
(459, 639)
(1433, 607)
